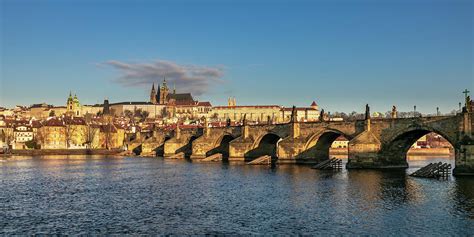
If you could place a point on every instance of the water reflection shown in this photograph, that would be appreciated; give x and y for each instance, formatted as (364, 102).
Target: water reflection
(97, 195)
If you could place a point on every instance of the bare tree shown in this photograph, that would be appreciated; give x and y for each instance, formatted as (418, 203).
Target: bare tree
(41, 137)
(90, 134)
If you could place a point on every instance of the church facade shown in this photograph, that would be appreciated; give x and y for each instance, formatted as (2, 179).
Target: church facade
(163, 96)
(178, 105)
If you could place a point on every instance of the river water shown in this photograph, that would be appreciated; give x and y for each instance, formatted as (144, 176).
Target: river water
(99, 195)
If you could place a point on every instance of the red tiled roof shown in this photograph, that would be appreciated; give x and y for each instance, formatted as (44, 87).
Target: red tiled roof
(299, 109)
(121, 126)
(53, 122)
(341, 138)
(108, 128)
(184, 102)
(74, 121)
(314, 104)
(206, 103)
(36, 124)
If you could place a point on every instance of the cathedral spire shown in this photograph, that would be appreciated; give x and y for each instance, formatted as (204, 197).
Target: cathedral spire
(153, 94)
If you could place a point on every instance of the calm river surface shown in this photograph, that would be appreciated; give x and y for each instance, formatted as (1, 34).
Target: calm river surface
(98, 195)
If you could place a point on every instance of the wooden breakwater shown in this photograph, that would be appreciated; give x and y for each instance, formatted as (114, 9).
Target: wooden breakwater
(434, 170)
(330, 164)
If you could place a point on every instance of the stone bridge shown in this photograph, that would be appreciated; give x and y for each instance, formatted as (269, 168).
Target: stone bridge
(373, 143)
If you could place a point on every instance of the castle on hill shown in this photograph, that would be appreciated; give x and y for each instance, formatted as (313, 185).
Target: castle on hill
(162, 96)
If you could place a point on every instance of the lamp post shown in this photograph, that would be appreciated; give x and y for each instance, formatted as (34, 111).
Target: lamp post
(414, 110)
(437, 111)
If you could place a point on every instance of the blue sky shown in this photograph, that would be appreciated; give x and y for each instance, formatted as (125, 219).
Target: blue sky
(342, 54)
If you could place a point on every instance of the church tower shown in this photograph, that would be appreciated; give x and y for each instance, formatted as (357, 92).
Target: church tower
(77, 106)
(69, 103)
(153, 94)
(163, 93)
(73, 107)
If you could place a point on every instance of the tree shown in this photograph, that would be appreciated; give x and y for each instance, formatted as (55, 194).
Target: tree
(129, 114)
(32, 144)
(40, 137)
(144, 115)
(90, 135)
(141, 115)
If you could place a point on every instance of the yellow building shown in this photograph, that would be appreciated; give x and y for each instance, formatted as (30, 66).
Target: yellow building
(254, 113)
(76, 132)
(340, 142)
(263, 113)
(52, 135)
(108, 137)
(303, 114)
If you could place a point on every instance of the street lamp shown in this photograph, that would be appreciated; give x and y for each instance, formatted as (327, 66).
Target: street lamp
(414, 111)
(437, 111)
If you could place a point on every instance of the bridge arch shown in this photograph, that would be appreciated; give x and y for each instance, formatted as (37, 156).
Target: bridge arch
(266, 144)
(317, 146)
(187, 149)
(221, 145)
(160, 150)
(395, 150)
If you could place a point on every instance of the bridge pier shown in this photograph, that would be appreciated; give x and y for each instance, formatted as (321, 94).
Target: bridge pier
(238, 149)
(201, 145)
(464, 161)
(174, 146)
(181, 142)
(213, 141)
(152, 146)
(365, 153)
(292, 151)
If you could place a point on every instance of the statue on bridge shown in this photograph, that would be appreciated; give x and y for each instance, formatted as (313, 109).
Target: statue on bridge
(321, 116)
(394, 112)
(293, 115)
(367, 111)
(468, 104)
(244, 120)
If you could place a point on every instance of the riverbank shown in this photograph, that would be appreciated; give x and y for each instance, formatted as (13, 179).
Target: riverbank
(41, 152)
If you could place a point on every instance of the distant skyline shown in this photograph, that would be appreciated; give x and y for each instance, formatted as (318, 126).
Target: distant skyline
(341, 54)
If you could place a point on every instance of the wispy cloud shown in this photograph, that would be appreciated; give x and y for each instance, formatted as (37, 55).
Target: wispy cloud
(188, 78)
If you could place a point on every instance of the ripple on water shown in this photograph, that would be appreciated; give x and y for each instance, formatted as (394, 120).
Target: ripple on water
(97, 195)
